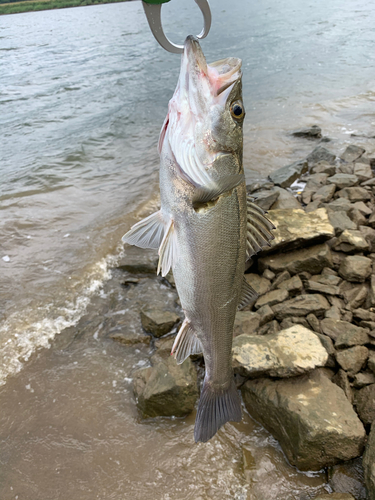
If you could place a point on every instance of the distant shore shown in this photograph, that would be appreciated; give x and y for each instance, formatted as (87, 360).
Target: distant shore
(34, 5)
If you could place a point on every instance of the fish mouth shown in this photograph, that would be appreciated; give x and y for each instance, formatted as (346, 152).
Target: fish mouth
(220, 74)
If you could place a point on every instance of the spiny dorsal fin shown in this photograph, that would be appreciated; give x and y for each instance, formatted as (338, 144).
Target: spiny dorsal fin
(248, 295)
(258, 229)
(147, 233)
(186, 343)
(168, 251)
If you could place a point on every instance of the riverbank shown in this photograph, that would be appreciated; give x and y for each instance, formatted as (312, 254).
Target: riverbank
(33, 6)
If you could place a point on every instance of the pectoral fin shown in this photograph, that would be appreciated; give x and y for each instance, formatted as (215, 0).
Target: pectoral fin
(148, 233)
(248, 295)
(168, 251)
(214, 189)
(258, 229)
(186, 343)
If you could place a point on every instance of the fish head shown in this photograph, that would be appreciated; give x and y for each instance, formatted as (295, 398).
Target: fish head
(206, 113)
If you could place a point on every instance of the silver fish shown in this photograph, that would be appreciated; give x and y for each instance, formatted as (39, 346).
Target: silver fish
(206, 228)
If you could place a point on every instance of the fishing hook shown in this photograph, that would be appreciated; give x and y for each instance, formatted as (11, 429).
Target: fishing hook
(152, 10)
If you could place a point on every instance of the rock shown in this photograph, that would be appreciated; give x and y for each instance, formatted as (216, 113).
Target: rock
(371, 361)
(343, 180)
(348, 478)
(269, 275)
(327, 279)
(287, 353)
(369, 234)
(363, 379)
(371, 220)
(285, 176)
(130, 338)
(314, 286)
(259, 184)
(323, 168)
(352, 360)
(340, 221)
(246, 322)
(271, 298)
(285, 200)
(301, 306)
(138, 261)
(314, 205)
(265, 199)
(356, 216)
(368, 465)
(164, 345)
(350, 241)
(325, 193)
(364, 400)
(362, 171)
(333, 313)
(335, 496)
(372, 290)
(271, 327)
(158, 322)
(364, 314)
(339, 205)
(314, 182)
(312, 259)
(293, 285)
(314, 322)
(358, 299)
(352, 335)
(354, 194)
(364, 209)
(320, 154)
(341, 379)
(283, 276)
(352, 153)
(346, 168)
(166, 389)
(355, 268)
(294, 320)
(313, 132)
(333, 328)
(265, 314)
(261, 285)
(329, 431)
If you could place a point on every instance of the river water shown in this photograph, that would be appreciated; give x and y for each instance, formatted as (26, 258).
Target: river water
(83, 94)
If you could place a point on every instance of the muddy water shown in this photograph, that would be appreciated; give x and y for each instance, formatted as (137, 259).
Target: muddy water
(82, 97)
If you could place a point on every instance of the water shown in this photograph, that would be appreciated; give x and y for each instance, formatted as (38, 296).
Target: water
(83, 93)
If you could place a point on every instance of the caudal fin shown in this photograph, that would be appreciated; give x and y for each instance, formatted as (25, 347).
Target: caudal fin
(215, 408)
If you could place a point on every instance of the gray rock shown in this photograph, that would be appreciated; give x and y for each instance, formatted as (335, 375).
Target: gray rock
(246, 322)
(329, 431)
(341, 379)
(354, 194)
(333, 328)
(166, 389)
(362, 207)
(364, 314)
(369, 234)
(356, 216)
(352, 360)
(371, 220)
(339, 205)
(320, 154)
(364, 401)
(346, 168)
(350, 241)
(258, 185)
(313, 322)
(343, 180)
(272, 327)
(138, 261)
(314, 205)
(323, 168)
(287, 353)
(285, 176)
(265, 314)
(325, 193)
(271, 298)
(293, 285)
(164, 345)
(313, 132)
(130, 338)
(371, 361)
(269, 275)
(368, 464)
(327, 279)
(335, 496)
(283, 276)
(314, 182)
(296, 228)
(260, 284)
(348, 478)
(285, 200)
(363, 171)
(355, 268)
(340, 221)
(363, 379)
(312, 259)
(265, 199)
(352, 335)
(372, 290)
(158, 322)
(314, 286)
(301, 306)
(352, 153)
(358, 299)
(294, 320)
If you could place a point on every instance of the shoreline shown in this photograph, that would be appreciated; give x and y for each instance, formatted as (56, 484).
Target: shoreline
(36, 6)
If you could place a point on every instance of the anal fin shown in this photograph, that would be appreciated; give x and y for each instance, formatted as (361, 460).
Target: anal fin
(147, 233)
(186, 343)
(248, 295)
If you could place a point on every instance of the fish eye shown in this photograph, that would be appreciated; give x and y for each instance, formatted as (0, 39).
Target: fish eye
(237, 110)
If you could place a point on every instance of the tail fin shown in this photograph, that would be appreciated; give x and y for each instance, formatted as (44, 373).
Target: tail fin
(215, 408)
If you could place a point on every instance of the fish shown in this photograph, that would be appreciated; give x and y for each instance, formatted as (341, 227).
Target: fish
(207, 226)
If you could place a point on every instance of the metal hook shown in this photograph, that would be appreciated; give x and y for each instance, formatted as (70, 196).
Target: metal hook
(153, 14)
